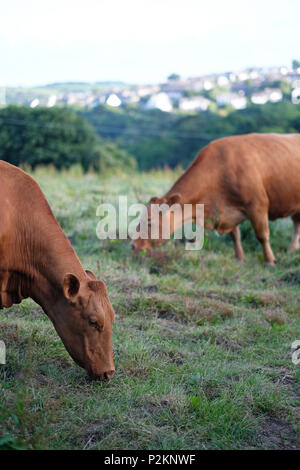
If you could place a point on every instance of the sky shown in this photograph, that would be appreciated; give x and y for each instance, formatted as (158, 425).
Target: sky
(138, 41)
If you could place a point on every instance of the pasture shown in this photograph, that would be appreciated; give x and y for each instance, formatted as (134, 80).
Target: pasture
(202, 345)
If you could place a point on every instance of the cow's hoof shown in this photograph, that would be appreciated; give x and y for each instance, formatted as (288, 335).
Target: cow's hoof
(271, 265)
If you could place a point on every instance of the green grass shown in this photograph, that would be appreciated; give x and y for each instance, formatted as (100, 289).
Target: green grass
(202, 344)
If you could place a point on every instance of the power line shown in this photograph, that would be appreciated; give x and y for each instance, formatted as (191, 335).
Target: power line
(129, 131)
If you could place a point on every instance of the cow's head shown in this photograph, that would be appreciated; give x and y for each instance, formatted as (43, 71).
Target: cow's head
(83, 320)
(156, 221)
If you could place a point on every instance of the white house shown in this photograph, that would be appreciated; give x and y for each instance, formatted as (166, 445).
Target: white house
(273, 95)
(196, 84)
(51, 101)
(129, 96)
(259, 98)
(236, 100)
(208, 85)
(113, 100)
(222, 81)
(34, 103)
(160, 101)
(244, 75)
(296, 96)
(2, 96)
(175, 96)
(194, 103)
(145, 90)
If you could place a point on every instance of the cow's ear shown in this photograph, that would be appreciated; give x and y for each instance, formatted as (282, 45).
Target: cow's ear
(71, 286)
(90, 274)
(154, 200)
(157, 200)
(174, 199)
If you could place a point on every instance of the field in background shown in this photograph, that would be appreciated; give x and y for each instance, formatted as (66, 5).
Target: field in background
(202, 345)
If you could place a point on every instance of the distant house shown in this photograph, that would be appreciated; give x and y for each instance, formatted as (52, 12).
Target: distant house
(175, 96)
(259, 98)
(296, 96)
(222, 81)
(71, 98)
(98, 100)
(244, 75)
(51, 101)
(194, 103)
(196, 84)
(236, 100)
(113, 100)
(146, 90)
(174, 86)
(129, 96)
(208, 85)
(273, 95)
(34, 103)
(254, 74)
(160, 101)
(201, 83)
(2, 97)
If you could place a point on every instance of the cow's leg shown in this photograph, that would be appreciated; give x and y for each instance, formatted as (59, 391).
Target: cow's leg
(296, 234)
(260, 223)
(238, 249)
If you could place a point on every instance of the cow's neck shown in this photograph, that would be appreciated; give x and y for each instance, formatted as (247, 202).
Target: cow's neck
(42, 257)
(196, 187)
(193, 184)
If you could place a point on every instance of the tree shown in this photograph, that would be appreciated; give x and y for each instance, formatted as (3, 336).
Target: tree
(174, 76)
(296, 64)
(158, 139)
(42, 136)
(111, 157)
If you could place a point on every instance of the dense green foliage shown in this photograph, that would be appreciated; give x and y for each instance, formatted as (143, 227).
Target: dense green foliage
(55, 136)
(109, 138)
(157, 139)
(202, 344)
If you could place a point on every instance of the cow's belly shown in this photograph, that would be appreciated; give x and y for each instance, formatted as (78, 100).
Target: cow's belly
(229, 218)
(282, 212)
(283, 195)
(284, 204)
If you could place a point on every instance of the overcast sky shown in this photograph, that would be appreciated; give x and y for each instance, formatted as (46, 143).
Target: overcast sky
(142, 41)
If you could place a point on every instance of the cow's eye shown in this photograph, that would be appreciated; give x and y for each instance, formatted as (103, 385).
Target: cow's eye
(93, 322)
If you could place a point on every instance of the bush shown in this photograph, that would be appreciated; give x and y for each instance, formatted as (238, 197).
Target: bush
(111, 157)
(159, 139)
(56, 136)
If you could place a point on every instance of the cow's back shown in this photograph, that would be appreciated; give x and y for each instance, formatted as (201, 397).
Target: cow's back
(18, 187)
(23, 213)
(20, 195)
(258, 166)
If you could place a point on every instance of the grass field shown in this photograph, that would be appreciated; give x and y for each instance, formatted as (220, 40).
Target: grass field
(202, 344)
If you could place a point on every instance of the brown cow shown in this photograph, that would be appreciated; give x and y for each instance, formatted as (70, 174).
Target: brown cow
(254, 176)
(38, 261)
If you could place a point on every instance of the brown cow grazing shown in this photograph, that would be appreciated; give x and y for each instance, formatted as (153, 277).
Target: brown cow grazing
(38, 261)
(254, 176)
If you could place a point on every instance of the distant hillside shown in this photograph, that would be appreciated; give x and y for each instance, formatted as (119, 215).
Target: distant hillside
(25, 95)
(77, 87)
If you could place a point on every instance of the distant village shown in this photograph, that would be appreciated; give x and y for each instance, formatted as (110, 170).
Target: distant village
(236, 90)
